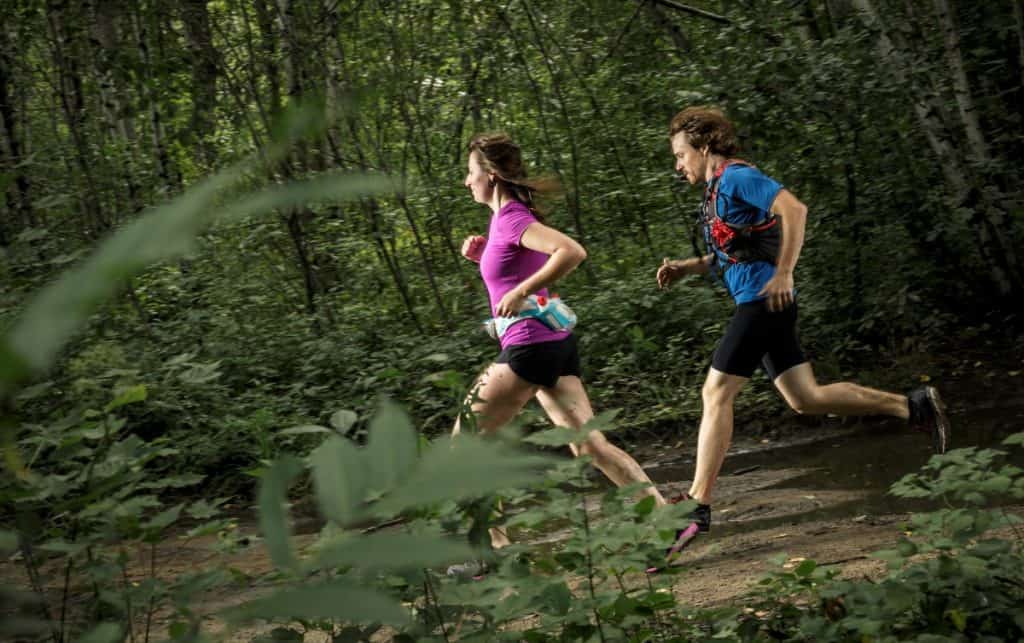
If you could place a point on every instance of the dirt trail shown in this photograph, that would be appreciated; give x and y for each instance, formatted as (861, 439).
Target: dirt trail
(821, 496)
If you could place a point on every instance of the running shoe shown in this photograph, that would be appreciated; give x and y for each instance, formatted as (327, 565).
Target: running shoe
(699, 522)
(928, 415)
(471, 569)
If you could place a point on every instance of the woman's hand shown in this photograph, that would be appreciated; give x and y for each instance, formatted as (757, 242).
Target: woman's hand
(473, 247)
(510, 304)
(779, 291)
(671, 271)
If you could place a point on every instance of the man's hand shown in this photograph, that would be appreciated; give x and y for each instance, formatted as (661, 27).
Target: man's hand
(473, 247)
(672, 270)
(779, 291)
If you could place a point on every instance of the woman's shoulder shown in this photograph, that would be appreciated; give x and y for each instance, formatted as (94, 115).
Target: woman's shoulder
(514, 208)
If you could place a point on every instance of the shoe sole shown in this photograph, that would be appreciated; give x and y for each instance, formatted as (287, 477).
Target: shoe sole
(940, 440)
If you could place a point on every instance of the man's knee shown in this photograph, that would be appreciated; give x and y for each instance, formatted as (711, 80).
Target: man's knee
(715, 394)
(805, 403)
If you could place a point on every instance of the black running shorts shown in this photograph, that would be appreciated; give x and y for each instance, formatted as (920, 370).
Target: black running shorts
(543, 363)
(756, 335)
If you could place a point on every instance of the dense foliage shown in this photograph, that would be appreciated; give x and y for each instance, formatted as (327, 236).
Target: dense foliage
(194, 283)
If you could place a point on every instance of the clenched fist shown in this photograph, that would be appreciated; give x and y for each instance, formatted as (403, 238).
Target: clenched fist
(473, 247)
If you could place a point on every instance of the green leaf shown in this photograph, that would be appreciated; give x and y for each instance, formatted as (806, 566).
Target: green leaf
(394, 551)
(392, 447)
(305, 429)
(279, 634)
(62, 547)
(103, 633)
(164, 518)
(906, 548)
(338, 600)
(466, 467)
(273, 494)
(202, 509)
(129, 395)
(8, 541)
(558, 436)
(1015, 439)
(339, 477)
(603, 421)
(958, 618)
(557, 598)
(645, 506)
(343, 420)
(805, 568)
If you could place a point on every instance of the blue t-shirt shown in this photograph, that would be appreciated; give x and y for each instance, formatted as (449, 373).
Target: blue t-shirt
(745, 197)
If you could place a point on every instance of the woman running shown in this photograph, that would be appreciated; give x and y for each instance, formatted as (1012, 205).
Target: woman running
(520, 257)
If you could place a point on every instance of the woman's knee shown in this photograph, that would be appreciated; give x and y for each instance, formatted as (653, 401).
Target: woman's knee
(596, 445)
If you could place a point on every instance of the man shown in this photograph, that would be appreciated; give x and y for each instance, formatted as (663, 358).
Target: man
(754, 229)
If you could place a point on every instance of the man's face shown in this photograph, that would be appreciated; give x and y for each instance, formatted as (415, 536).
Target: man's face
(690, 162)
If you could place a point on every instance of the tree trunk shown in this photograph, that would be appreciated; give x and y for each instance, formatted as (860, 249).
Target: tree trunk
(120, 130)
(989, 222)
(204, 57)
(18, 193)
(69, 86)
(158, 136)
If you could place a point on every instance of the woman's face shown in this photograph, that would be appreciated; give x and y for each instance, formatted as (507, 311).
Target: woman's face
(690, 162)
(477, 180)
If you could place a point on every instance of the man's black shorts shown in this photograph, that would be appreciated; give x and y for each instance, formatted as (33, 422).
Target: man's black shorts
(756, 335)
(543, 363)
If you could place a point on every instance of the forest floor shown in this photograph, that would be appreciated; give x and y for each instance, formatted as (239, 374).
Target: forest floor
(815, 492)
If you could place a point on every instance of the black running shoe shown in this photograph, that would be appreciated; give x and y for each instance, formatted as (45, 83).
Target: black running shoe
(928, 415)
(700, 522)
(475, 569)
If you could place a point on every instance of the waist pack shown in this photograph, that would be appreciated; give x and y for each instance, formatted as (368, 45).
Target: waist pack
(550, 311)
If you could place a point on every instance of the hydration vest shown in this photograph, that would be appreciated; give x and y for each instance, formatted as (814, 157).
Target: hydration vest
(740, 243)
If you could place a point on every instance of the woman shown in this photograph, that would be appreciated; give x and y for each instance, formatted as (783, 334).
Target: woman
(520, 257)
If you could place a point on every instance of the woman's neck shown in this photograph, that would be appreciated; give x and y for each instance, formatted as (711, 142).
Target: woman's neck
(499, 199)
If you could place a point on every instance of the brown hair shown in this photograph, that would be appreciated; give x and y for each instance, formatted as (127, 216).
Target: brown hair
(500, 156)
(706, 126)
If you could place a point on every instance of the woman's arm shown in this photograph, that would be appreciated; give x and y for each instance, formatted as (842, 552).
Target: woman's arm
(564, 255)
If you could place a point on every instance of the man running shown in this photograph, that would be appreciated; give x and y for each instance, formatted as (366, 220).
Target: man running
(754, 230)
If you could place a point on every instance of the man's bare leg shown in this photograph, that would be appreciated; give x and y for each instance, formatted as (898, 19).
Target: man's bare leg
(716, 423)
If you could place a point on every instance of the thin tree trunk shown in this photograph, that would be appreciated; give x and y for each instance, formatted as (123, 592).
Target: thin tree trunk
(268, 45)
(961, 86)
(69, 84)
(108, 42)
(1018, 21)
(576, 187)
(204, 57)
(19, 198)
(163, 159)
(620, 165)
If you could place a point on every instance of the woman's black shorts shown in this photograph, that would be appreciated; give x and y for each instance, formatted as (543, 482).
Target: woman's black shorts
(756, 335)
(543, 363)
